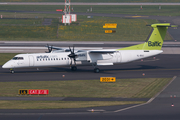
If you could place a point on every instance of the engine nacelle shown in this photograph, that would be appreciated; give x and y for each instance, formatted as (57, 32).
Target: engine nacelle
(81, 56)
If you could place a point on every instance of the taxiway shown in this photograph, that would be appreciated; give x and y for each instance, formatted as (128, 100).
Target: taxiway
(164, 65)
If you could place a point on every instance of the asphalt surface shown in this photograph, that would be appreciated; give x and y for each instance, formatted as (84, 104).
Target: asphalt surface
(79, 44)
(81, 3)
(159, 109)
(29, 98)
(169, 47)
(170, 19)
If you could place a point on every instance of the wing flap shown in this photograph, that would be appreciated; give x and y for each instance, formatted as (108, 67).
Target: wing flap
(101, 64)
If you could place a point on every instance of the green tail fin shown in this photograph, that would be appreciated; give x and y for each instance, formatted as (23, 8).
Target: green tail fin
(155, 40)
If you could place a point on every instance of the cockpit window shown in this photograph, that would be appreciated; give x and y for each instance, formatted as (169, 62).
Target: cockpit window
(18, 58)
(15, 58)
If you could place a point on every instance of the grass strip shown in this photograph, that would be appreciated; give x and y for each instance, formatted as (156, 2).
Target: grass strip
(60, 104)
(152, 88)
(83, 30)
(166, 10)
(126, 88)
(144, 1)
(4, 57)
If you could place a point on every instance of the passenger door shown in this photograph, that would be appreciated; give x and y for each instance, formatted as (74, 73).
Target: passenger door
(31, 60)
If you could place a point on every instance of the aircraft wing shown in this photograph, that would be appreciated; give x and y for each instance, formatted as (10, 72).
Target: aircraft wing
(101, 51)
(97, 55)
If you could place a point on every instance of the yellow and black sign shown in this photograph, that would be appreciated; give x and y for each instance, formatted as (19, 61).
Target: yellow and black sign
(110, 25)
(23, 92)
(110, 31)
(107, 79)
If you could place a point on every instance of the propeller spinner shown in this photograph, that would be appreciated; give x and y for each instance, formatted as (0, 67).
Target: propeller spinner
(72, 56)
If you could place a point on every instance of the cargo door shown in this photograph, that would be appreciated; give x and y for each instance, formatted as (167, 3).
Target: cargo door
(118, 56)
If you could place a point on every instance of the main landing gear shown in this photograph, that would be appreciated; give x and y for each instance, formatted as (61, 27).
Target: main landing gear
(73, 68)
(96, 70)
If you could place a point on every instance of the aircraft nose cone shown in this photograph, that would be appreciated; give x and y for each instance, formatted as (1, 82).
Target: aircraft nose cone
(4, 66)
(7, 65)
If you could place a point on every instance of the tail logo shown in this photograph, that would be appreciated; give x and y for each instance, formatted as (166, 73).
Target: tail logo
(153, 44)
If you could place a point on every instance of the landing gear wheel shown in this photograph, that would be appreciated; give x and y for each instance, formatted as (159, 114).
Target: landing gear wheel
(96, 70)
(73, 68)
(11, 71)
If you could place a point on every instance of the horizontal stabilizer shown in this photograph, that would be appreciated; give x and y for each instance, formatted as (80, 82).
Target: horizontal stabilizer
(162, 25)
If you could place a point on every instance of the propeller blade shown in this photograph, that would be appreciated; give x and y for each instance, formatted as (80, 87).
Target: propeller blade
(49, 48)
(71, 62)
(72, 56)
(74, 61)
(70, 49)
(73, 48)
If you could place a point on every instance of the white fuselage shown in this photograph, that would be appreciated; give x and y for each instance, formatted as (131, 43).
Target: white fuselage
(85, 58)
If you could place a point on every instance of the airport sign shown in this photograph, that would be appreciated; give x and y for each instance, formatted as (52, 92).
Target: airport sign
(110, 31)
(23, 92)
(107, 79)
(33, 92)
(38, 92)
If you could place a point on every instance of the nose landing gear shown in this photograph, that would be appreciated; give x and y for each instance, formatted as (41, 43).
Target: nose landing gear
(11, 71)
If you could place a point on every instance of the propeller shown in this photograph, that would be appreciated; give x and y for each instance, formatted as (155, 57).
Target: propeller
(49, 48)
(72, 56)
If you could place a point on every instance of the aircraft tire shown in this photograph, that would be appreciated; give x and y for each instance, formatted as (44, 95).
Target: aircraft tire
(96, 70)
(12, 71)
(73, 68)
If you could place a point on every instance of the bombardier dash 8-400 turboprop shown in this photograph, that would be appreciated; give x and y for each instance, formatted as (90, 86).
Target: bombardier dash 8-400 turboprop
(72, 58)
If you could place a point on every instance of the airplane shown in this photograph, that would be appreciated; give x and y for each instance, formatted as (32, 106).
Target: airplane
(71, 57)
